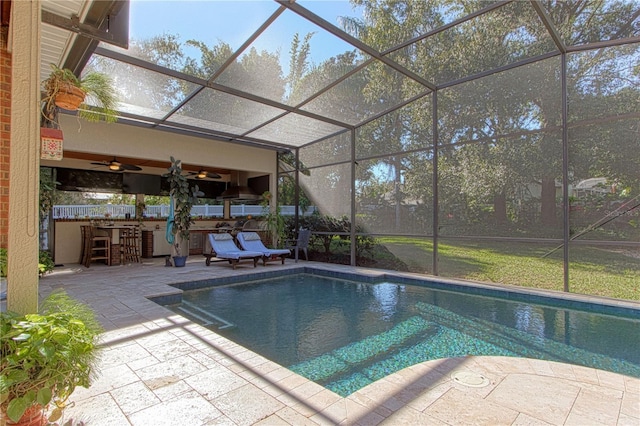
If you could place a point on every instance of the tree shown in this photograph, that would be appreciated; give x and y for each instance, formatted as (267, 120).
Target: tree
(144, 88)
(497, 110)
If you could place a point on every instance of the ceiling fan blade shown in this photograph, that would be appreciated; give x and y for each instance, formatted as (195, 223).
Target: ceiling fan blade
(100, 164)
(130, 167)
(203, 174)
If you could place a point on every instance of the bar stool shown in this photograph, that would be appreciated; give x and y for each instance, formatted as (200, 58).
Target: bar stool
(94, 247)
(130, 244)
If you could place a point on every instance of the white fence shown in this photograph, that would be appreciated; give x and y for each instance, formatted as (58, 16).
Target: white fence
(121, 210)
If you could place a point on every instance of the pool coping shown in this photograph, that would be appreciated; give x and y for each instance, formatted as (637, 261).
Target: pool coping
(553, 298)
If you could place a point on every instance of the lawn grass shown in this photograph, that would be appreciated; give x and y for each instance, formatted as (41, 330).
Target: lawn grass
(592, 270)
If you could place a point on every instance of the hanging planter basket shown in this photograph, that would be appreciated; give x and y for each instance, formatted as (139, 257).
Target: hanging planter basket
(69, 97)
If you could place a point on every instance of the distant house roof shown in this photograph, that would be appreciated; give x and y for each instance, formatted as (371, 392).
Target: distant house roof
(597, 185)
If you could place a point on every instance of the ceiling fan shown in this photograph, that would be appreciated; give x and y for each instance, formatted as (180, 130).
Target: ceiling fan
(116, 166)
(203, 174)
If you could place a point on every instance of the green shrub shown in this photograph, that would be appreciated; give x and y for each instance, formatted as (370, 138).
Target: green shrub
(43, 357)
(45, 263)
(3, 262)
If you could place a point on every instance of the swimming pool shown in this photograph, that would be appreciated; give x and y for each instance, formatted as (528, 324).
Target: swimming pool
(345, 334)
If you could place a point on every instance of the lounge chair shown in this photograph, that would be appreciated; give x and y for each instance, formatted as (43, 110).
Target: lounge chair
(301, 243)
(223, 247)
(251, 241)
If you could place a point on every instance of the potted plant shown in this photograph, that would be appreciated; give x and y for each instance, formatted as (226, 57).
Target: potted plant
(274, 221)
(184, 197)
(63, 89)
(43, 357)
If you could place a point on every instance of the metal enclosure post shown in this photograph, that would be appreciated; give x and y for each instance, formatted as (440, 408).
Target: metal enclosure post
(296, 196)
(435, 182)
(565, 173)
(352, 233)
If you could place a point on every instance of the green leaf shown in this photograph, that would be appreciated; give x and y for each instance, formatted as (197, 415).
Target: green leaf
(47, 350)
(16, 408)
(17, 376)
(44, 396)
(22, 337)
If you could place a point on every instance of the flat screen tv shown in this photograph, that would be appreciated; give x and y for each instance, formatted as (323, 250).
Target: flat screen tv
(88, 181)
(259, 184)
(136, 183)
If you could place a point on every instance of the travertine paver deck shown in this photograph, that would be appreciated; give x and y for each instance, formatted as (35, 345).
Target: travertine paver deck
(158, 368)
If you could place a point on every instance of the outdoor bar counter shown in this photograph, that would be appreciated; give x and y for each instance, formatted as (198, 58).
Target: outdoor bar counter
(67, 236)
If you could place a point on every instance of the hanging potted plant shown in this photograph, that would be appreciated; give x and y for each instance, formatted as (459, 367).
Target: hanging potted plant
(44, 357)
(93, 95)
(63, 89)
(179, 222)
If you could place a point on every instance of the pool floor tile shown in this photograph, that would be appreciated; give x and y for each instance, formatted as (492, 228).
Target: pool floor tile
(159, 368)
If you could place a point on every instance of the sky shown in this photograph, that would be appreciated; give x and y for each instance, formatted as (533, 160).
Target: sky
(210, 21)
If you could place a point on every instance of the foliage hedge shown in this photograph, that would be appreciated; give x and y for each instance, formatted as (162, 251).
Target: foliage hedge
(45, 262)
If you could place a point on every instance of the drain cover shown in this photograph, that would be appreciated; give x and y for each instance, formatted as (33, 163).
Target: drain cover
(467, 378)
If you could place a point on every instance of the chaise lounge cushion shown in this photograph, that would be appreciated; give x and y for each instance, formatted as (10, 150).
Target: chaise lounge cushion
(224, 248)
(251, 241)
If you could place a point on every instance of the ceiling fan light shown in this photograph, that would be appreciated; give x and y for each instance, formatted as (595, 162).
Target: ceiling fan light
(114, 166)
(201, 174)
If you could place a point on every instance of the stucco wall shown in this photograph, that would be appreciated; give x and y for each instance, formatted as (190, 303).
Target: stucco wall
(5, 129)
(136, 142)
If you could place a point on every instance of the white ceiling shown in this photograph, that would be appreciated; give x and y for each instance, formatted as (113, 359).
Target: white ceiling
(55, 42)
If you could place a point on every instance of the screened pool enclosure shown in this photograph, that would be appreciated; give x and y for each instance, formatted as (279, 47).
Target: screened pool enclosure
(497, 141)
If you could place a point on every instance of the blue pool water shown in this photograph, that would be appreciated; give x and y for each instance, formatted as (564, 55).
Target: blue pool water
(346, 334)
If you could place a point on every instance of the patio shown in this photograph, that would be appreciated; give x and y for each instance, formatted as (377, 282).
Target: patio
(159, 368)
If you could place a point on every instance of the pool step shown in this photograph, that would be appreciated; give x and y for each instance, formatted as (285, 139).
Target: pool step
(459, 336)
(366, 351)
(205, 318)
(496, 338)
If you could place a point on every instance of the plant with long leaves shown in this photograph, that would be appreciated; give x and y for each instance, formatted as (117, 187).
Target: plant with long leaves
(184, 198)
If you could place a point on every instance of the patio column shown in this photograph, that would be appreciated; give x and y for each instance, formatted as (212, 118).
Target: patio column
(24, 163)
